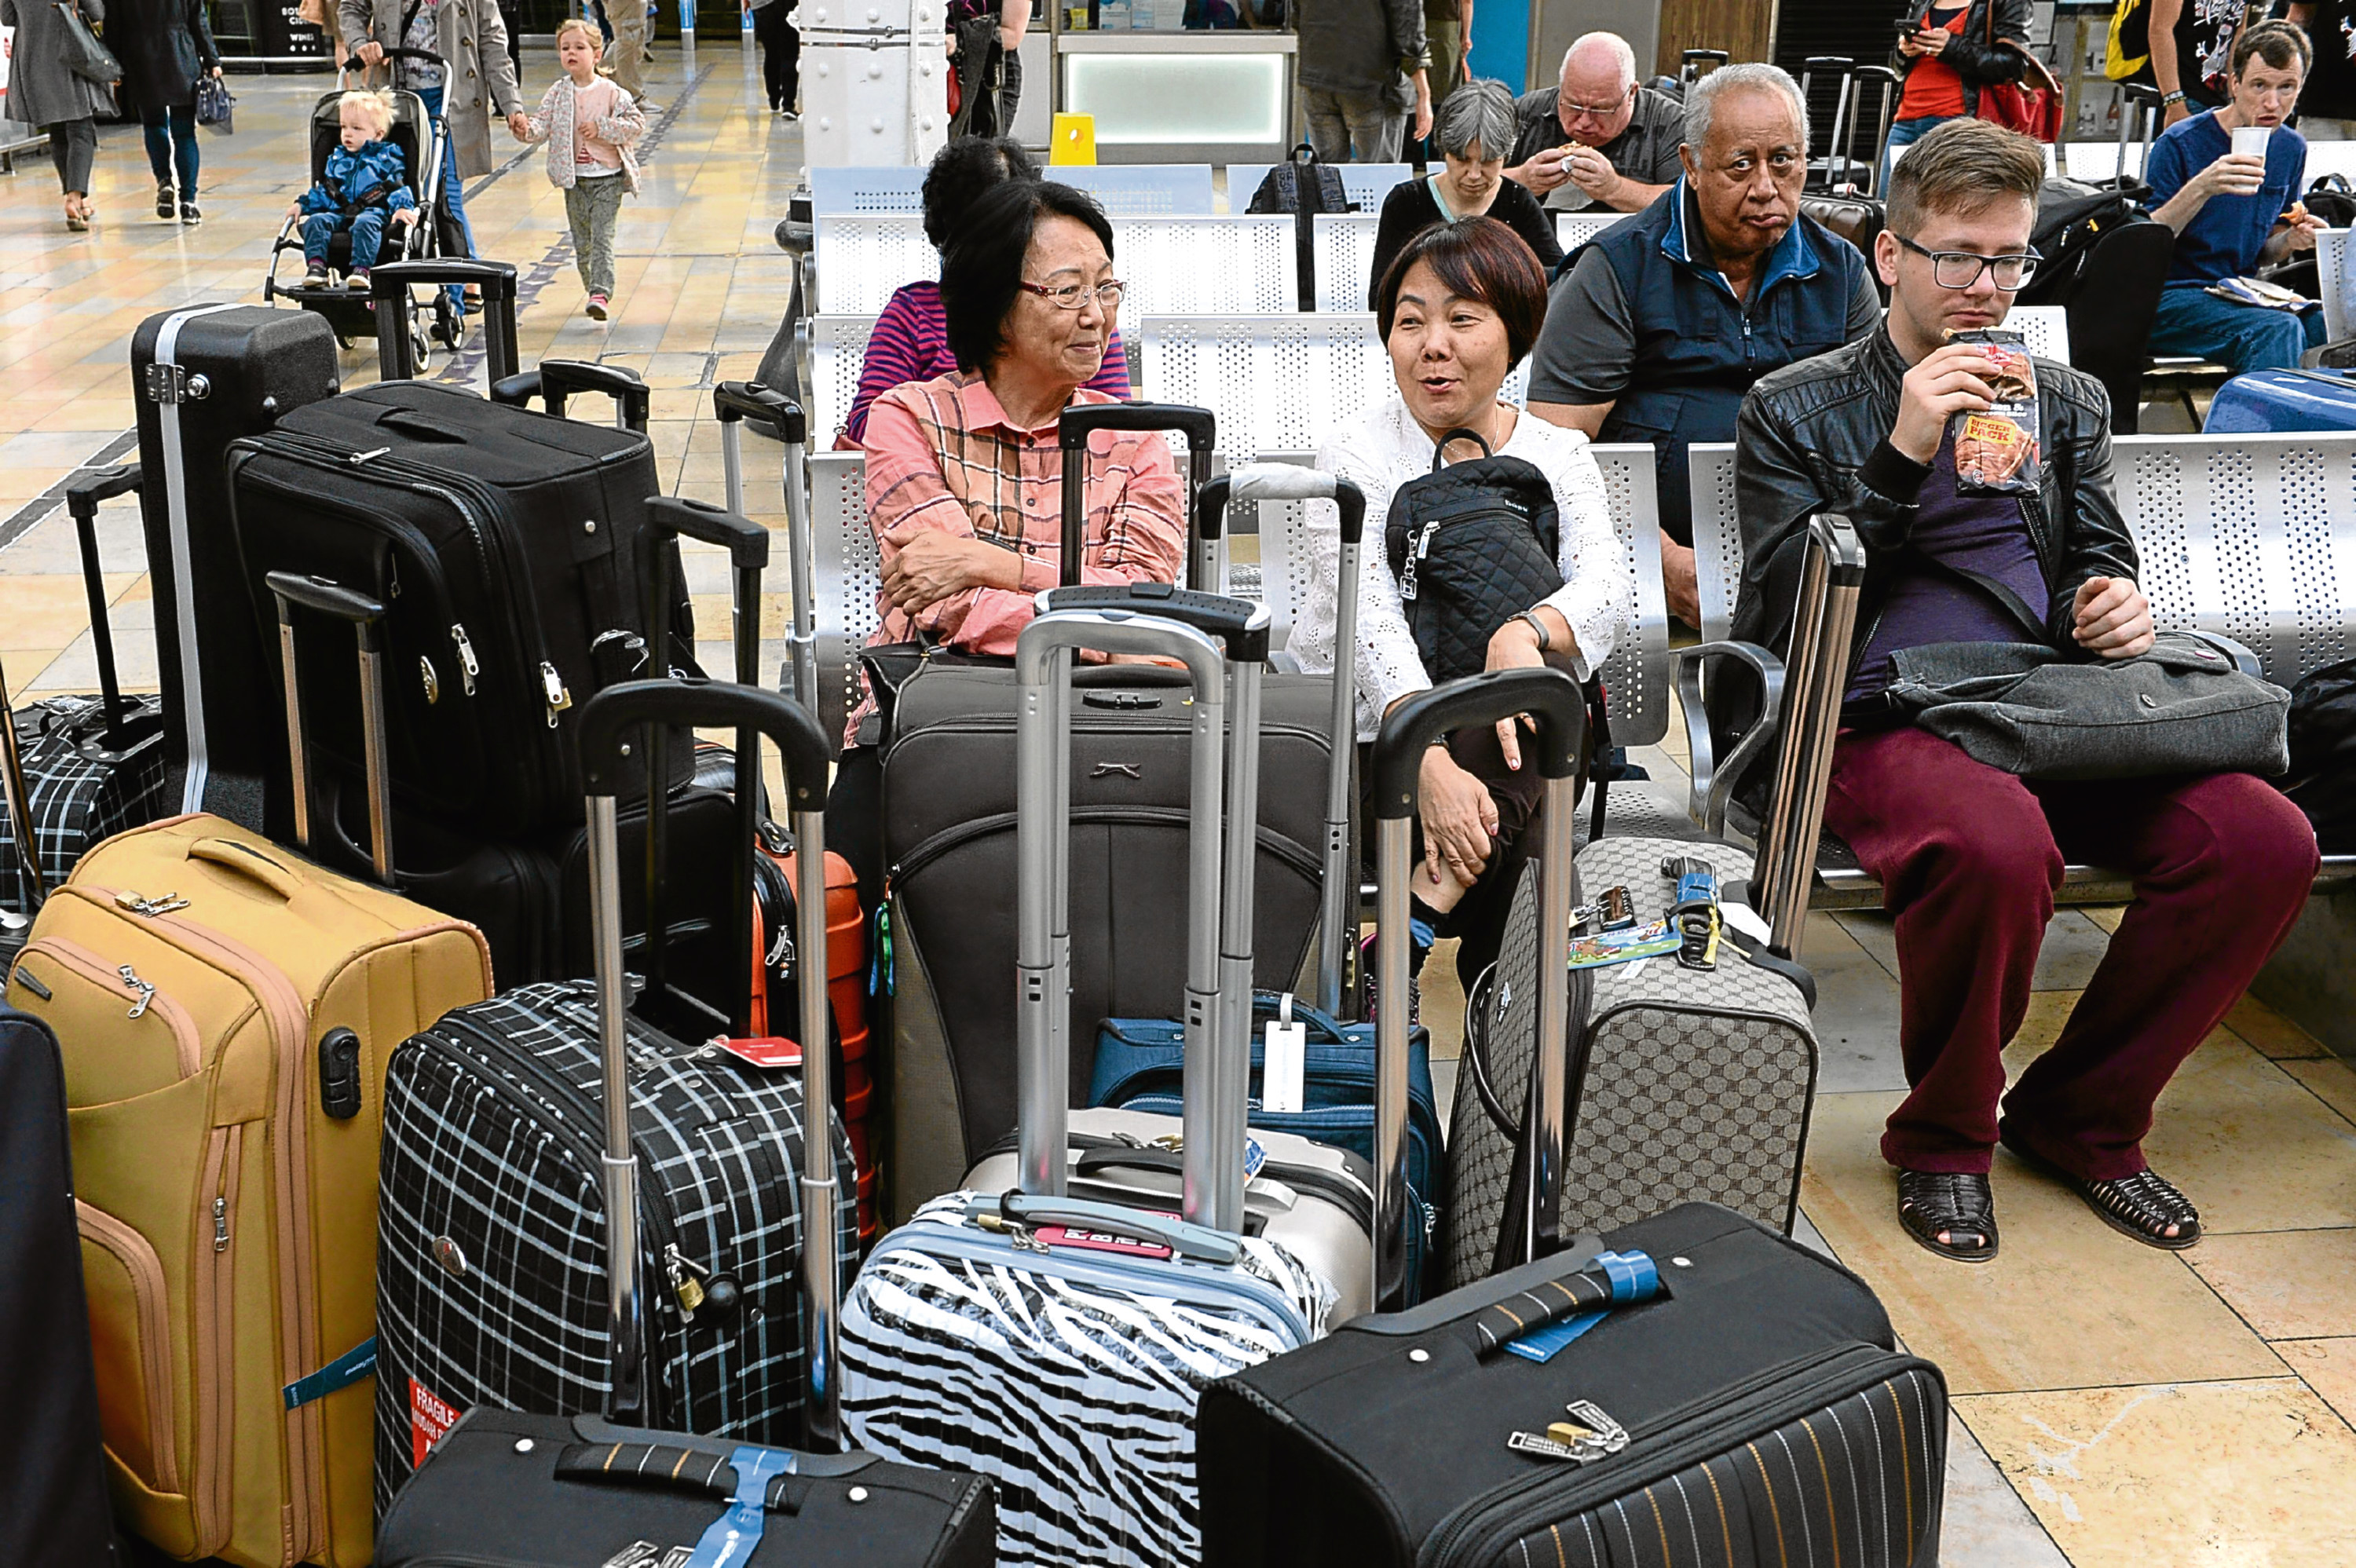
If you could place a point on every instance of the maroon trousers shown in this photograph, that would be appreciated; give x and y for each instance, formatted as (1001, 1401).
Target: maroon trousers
(1969, 858)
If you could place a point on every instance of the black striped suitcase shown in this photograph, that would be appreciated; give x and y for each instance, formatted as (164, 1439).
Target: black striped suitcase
(616, 1482)
(491, 1285)
(84, 767)
(1771, 1422)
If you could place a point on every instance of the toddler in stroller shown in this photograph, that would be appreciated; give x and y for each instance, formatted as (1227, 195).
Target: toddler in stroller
(364, 187)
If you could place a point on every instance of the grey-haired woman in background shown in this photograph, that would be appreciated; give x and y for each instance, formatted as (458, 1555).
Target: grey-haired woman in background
(1476, 130)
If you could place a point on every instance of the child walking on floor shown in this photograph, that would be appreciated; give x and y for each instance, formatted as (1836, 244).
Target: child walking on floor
(590, 125)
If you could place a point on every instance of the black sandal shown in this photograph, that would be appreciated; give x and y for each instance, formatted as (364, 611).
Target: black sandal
(1960, 1203)
(2142, 1206)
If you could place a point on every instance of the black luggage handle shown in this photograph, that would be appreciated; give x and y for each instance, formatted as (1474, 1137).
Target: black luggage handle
(558, 380)
(83, 498)
(733, 401)
(1553, 699)
(389, 283)
(1199, 426)
(606, 720)
(747, 544)
(733, 404)
(366, 617)
(1241, 625)
(1549, 696)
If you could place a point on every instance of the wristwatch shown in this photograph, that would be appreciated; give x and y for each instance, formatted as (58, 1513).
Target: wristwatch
(1546, 638)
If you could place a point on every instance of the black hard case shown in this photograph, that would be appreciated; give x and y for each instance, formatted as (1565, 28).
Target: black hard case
(231, 372)
(535, 1491)
(1775, 1425)
(53, 1489)
(520, 527)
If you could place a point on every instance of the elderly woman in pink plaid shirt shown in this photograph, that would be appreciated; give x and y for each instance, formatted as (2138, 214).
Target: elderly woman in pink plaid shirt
(964, 476)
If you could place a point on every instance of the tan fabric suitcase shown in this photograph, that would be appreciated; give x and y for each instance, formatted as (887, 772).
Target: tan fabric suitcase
(225, 1010)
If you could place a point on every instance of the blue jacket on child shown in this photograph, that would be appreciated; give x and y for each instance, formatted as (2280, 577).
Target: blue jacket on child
(376, 176)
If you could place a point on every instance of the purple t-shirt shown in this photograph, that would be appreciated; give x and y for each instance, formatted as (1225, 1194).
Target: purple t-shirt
(1980, 536)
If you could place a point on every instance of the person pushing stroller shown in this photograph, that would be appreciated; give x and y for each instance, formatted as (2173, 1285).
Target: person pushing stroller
(364, 188)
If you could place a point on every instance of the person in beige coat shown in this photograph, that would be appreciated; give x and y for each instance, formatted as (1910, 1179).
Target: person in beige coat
(478, 80)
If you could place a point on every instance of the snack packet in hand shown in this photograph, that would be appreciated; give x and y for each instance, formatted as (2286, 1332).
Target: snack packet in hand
(1996, 452)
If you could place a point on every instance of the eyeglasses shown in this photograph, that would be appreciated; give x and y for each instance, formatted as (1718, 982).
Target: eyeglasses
(1594, 110)
(1072, 296)
(1962, 269)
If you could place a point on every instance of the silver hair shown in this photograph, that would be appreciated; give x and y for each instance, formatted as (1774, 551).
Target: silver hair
(1619, 46)
(1701, 97)
(1479, 111)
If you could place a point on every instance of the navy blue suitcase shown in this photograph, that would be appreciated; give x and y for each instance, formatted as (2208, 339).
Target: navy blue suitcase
(2283, 400)
(1141, 1067)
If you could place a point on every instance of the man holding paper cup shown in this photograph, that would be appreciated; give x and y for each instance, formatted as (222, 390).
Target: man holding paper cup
(2227, 181)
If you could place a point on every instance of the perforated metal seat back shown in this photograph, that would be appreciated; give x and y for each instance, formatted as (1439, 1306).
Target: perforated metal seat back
(2331, 274)
(1572, 229)
(1205, 264)
(2045, 328)
(846, 574)
(1277, 382)
(1141, 190)
(2252, 536)
(1344, 243)
(837, 351)
(861, 257)
(1367, 184)
(1717, 536)
(839, 191)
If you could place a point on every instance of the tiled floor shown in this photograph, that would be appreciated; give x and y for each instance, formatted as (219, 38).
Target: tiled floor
(2115, 1406)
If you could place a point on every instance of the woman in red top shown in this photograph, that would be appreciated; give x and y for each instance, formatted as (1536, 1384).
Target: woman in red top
(1947, 52)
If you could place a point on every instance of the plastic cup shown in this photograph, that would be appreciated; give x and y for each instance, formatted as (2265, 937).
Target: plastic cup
(2249, 140)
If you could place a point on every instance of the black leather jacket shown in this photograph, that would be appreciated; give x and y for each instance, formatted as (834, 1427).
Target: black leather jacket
(1969, 52)
(1813, 437)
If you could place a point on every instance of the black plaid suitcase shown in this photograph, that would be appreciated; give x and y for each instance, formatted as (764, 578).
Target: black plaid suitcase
(605, 1486)
(491, 1274)
(82, 768)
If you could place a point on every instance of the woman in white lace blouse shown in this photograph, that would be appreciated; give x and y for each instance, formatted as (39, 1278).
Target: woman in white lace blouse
(1459, 309)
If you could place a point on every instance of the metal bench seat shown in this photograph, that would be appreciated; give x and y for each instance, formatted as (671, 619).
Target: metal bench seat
(2250, 538)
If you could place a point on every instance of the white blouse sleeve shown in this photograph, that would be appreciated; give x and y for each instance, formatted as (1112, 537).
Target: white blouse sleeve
(1388, 665)
(1596, 589)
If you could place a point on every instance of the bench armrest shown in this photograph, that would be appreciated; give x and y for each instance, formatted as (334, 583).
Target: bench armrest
(1713, 783)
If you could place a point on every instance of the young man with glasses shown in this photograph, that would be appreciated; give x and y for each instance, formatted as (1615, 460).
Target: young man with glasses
(1597, 141)
(1969, 857)
(2235, 211)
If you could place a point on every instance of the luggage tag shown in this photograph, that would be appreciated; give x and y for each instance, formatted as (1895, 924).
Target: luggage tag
(1284, 1063)
(1098, 1242)
(763, 1050)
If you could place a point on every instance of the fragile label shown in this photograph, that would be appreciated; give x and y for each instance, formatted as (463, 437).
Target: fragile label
(767, 1051)
(429, 1418)
(1098, 1242)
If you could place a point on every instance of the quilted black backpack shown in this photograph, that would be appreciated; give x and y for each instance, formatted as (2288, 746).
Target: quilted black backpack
(1470, 545)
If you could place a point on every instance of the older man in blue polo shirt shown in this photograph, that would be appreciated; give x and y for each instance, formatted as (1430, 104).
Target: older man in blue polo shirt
(2235, 209)
(1657, 329)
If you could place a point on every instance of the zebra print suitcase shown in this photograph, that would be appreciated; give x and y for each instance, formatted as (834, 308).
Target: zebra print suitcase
(1057, 1343)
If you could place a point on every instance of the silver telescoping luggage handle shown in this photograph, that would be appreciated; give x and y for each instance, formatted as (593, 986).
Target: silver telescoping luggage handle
(1338, 891)
(1043, 659)
(734, 402)
(1199, 426)
(367, 618)
(1553, 701)
(606, 722)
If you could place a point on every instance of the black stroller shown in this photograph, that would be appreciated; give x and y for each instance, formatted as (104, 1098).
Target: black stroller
(420, 138)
